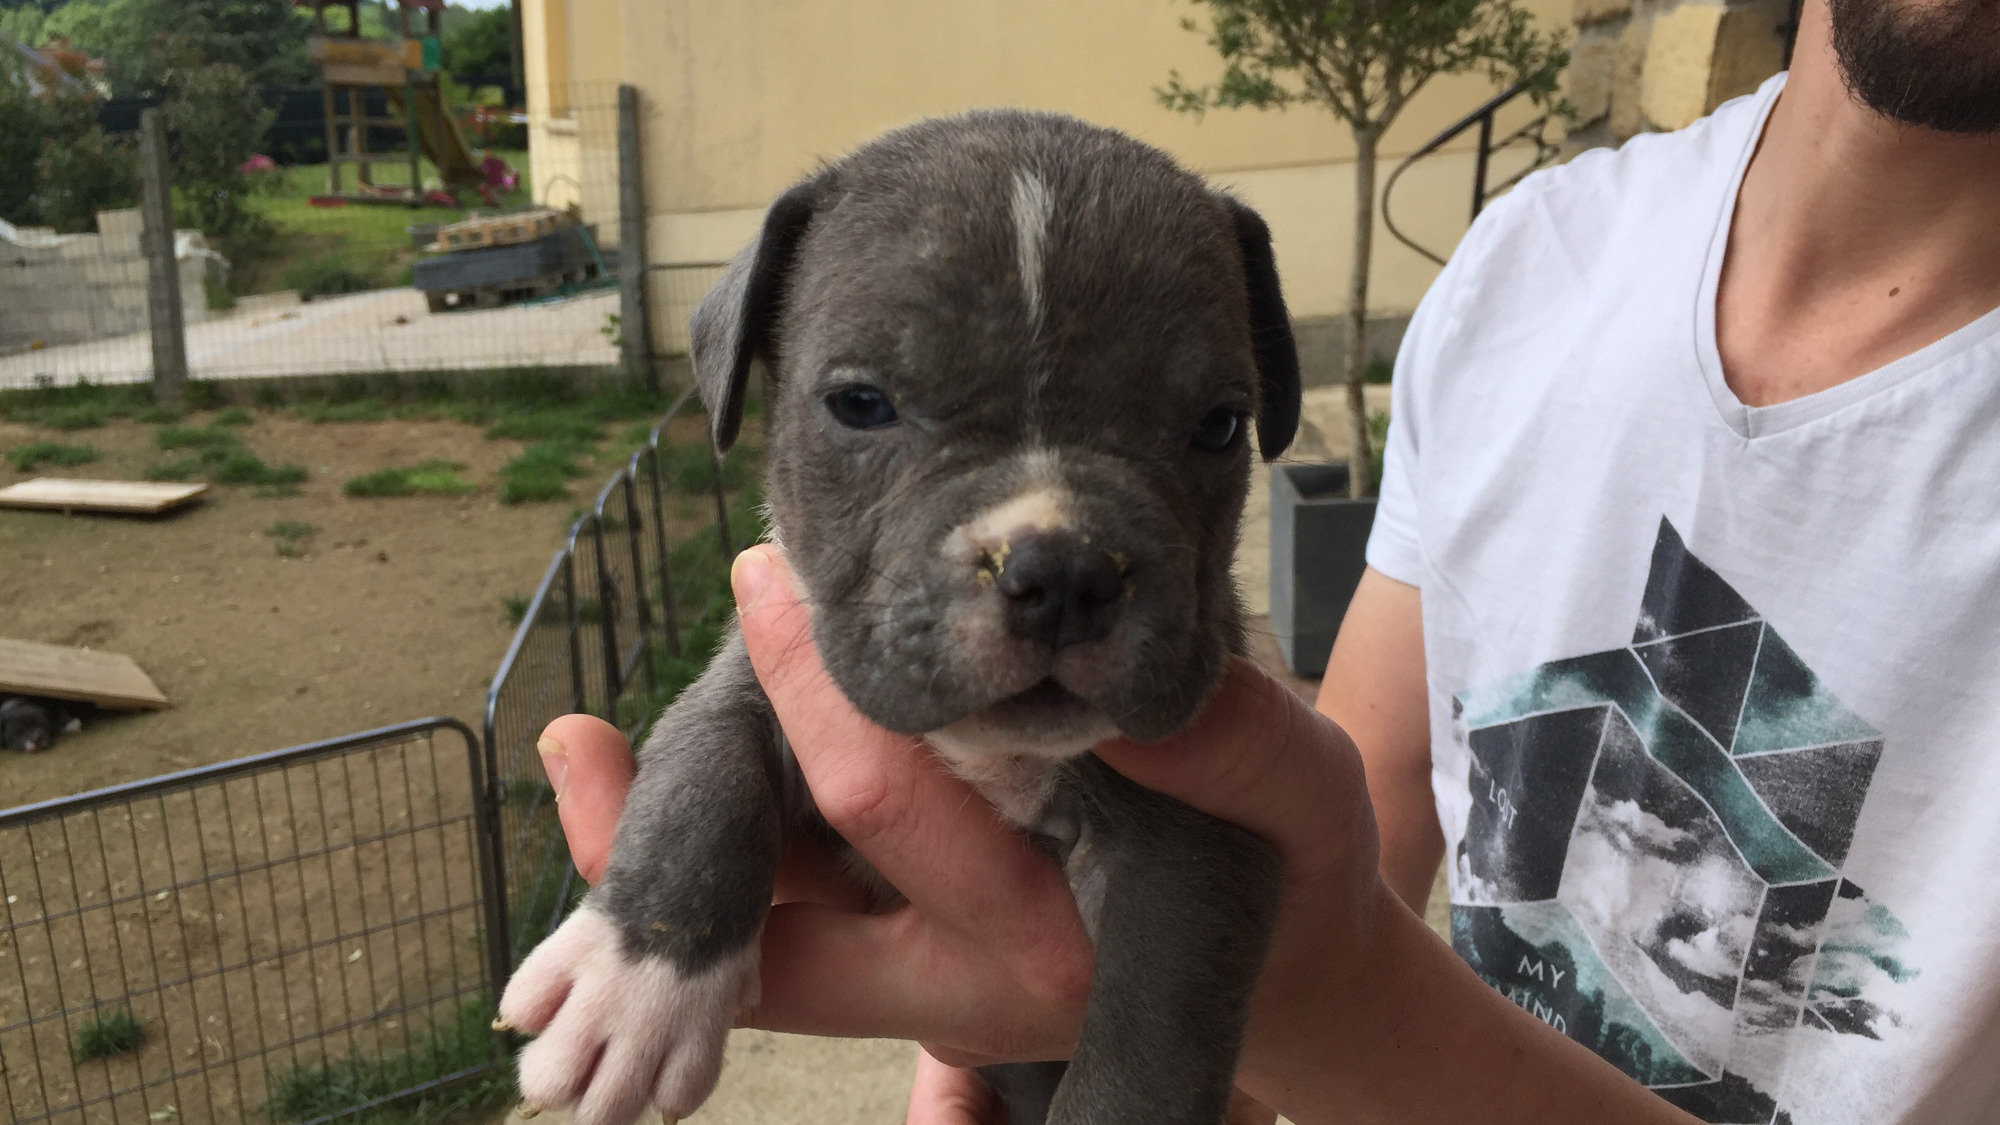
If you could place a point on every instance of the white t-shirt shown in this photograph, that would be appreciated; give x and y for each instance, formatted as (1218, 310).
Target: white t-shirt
(1715, 689)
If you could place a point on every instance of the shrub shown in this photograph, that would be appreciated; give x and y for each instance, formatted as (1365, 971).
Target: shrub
(326, 277)
(27, 457)
(218, 123)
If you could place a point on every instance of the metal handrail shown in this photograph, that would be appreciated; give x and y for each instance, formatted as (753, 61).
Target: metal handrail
(1481, 193)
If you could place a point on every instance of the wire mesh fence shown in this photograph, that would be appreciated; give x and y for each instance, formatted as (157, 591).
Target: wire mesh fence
(324, 282)
(293, 937)
(625, 616)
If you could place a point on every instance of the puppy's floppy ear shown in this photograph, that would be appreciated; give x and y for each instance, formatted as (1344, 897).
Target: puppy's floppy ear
(733, 323)
(1270, 334)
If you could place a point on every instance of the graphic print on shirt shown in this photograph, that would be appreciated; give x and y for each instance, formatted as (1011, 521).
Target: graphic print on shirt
(1652, 861)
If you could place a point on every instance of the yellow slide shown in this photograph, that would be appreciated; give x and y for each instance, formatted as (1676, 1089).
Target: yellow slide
(443, 144)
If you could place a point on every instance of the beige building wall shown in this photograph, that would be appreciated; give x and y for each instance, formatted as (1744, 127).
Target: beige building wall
(742, 97)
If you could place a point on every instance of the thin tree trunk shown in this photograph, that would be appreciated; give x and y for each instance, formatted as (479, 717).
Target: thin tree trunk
(1360, 463)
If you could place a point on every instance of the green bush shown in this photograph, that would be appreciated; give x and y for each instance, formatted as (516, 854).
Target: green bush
(218, 122)
(432, 478)
(326, 277)
(27, 457)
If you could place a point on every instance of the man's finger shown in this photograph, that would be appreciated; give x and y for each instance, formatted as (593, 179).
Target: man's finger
(590, 766)
(1259, 757)
(947, 1095)
(923, 829)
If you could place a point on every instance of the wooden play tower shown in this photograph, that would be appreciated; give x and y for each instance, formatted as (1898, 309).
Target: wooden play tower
(401, 74)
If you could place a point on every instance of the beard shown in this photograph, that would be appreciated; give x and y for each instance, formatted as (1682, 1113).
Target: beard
(1929, 63)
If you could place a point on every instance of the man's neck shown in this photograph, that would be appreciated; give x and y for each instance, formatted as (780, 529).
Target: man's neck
(1855, 242)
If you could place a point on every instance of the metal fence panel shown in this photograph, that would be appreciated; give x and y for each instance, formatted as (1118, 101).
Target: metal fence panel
(287, 937)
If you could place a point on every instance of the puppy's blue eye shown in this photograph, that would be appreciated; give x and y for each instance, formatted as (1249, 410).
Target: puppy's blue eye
(1218, 429)
(861, 408)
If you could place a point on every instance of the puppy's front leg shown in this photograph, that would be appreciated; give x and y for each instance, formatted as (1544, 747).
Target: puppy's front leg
(633, 997)
(1184, 906)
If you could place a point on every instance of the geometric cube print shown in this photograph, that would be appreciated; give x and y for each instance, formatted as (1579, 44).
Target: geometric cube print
(1652, 859)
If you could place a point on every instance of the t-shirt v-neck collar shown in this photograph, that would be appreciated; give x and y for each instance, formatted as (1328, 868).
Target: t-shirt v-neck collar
(1752, 422)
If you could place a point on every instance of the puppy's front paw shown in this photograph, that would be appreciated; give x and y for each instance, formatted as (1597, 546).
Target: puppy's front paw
(614, 1031)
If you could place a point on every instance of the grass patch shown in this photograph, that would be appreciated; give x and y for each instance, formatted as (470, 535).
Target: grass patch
(432, 478)
(317, 411)
(159, 414)
(234, 416)
(82, 406)
(1377, 370)
(691, 468)
(221, 456)
(81, 416)
(461, 1041)
(292, 537)
(112, 1033)
(516, 607)
(542, 472)
(27, 457)
(548, 425)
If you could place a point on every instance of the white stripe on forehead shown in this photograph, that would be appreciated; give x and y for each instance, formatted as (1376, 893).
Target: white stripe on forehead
(1032, 207)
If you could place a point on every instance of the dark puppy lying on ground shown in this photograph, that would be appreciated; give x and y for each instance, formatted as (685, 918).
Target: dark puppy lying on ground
(1013, 362)
(31, 725)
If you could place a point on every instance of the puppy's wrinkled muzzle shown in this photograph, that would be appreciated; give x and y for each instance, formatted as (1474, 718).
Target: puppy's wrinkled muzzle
(1059, 589)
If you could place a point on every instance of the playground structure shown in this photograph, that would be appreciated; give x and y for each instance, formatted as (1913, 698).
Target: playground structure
(404, 74)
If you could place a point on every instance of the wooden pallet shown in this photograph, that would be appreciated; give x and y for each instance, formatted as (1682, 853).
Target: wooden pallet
(506, 292)
(106, 679)
(128, 496)
(500, 230)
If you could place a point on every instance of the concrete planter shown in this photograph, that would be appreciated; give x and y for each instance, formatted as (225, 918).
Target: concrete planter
(1319, 538)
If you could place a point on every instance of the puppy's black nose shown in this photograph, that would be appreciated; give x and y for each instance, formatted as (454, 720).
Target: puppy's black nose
(1060, 590)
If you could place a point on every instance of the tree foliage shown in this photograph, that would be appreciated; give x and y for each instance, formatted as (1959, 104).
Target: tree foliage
(1363, 59)
(57, 167)
(481, 45)
(142, 41)
(217, 122)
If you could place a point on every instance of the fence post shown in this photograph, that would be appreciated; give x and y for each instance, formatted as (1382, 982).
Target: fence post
(163, 277)
(635, 341)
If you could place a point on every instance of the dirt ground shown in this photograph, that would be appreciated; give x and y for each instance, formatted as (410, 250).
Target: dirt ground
(394, 610)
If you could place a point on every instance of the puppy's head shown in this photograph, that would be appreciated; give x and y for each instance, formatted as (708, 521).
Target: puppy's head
(1014, 361)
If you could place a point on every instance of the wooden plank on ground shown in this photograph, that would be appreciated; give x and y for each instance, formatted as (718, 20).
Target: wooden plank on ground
(62, 672)
(99, 495)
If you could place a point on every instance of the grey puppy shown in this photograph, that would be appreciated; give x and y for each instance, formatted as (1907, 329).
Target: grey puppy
(1012, 361)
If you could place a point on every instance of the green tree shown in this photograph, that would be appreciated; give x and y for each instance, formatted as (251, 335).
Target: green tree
(481, 45)
(80, 170)
(20, 144)
(1363, 60)
(218, 122)
(143, 41)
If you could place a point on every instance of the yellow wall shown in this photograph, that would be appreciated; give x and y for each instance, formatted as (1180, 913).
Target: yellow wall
(742, 97)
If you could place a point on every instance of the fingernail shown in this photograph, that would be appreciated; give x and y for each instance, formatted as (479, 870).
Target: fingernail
(501, 1025)
(749, 576)
(527, 1112)
(555, 763)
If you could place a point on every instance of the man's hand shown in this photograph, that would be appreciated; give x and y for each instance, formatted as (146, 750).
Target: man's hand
(1362, 1014)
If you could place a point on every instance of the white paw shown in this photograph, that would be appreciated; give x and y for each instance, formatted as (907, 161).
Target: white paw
(614, 1033)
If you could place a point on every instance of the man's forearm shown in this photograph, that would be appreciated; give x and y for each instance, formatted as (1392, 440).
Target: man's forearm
(1407, 1033)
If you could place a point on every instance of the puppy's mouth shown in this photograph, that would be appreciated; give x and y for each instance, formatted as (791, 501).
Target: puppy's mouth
(1046, 702)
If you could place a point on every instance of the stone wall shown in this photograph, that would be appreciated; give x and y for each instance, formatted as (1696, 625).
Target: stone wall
(1644, 65)
(58, 289)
